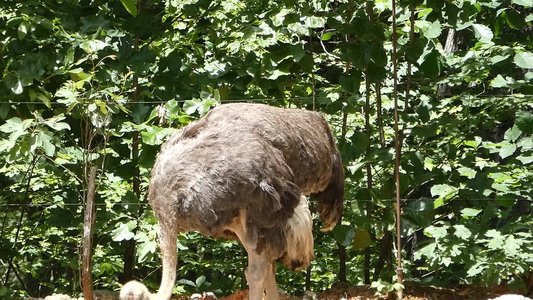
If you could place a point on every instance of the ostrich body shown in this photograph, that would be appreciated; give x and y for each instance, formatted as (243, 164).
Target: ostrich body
(242, 172)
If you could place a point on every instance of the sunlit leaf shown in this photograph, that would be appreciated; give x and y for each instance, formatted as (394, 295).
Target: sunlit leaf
(11, 125)
(512, 245)
(93, 46)
(476, 269)
(470, 212)
(462, 232)
(124, 231)
(496, 240)
(131, 6)
(526, 3)
(444, 192)
(436, 232)
(482, 32)
(467, 172)
(145, 247)
(434, 30)
(507, 150)
(499, 82)
(524, 60)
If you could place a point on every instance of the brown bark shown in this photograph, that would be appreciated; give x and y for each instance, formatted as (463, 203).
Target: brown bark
(369, 183)
(88, 228)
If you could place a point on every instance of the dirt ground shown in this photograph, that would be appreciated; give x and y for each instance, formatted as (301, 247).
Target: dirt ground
(367, 293)
(411, 292)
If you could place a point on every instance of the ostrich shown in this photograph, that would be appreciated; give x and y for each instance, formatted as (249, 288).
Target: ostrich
(242, 172)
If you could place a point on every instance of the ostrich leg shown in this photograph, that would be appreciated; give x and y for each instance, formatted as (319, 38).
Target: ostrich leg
(168, 238)
(270, 285)
(256, 274)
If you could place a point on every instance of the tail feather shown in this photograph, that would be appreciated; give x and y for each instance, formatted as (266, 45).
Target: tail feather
(298, 233)
(330, 200)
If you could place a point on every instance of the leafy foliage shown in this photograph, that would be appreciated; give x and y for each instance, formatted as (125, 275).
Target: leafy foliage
(105, 83)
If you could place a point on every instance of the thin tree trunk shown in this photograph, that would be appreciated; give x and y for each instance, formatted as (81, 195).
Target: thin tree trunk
(341, 250)
(342, 263)
(385, 251)
(88, 228)
(308, 278)
(129, 250)
(409, 65)
(449, 47)
(397, 156)
(369, 184)
(380, 115)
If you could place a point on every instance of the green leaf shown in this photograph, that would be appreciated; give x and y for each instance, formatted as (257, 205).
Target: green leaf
(361, 239)
(144, 248)
(436, 232)
(12, 125)
(525, 159)
(344, 234)
(93, 46)
(524, 121)
(277, 73)
(432, 63)
(476, 269)
(187, 282)
(131, 6)
(443, 192)
(200, 281)
(14, 83)
(434, 30)
(507, 150)
(350, 82)
(512, 246)
(512, 134)
(526, 3)
(191, 106)
(496, 240)
(297, 29)
(524, 60)
(314, 22)
(43, 140)
(427, 251)
(23, 29)
(153, 135)
(327, 36)
(499, 82)
(514, 19)
(467, 172)
(55, 123)
(482, 32)
(469, 212)
(498, 58)
(462, 232)
(124, 231)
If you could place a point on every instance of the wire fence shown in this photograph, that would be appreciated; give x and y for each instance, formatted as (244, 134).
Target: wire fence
(522, 98)
(44, 205)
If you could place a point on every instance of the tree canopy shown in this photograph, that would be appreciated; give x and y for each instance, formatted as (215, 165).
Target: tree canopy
(103, 83)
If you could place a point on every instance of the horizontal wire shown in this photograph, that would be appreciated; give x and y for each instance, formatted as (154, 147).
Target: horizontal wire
(225, 100)
(145, 203)
(163, 102)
